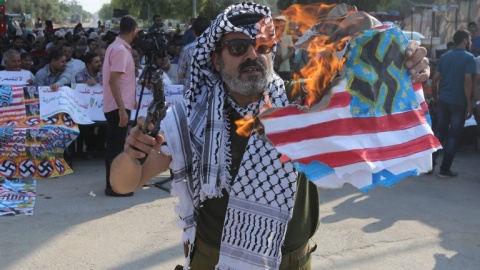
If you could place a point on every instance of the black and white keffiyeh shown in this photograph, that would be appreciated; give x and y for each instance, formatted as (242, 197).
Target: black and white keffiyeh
(261, 196)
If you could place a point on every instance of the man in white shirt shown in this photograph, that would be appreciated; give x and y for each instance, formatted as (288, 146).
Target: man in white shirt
(73, 65)
(13, 62)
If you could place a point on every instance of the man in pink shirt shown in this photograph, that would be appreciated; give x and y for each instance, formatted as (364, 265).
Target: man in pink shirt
(118, 93)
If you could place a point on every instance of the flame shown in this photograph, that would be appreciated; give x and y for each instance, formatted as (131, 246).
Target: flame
(307, 16)
(245, 126)
(324, 65)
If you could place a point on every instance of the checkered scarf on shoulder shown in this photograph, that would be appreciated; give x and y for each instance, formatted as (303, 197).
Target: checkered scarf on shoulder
(261, 195)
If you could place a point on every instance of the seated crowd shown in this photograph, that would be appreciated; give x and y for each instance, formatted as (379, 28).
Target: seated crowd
(67, 57)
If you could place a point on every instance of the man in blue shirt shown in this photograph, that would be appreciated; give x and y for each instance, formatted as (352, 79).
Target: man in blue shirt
(53, 74)
(455, 72)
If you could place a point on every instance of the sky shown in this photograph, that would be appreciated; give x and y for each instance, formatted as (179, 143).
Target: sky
(92, 6)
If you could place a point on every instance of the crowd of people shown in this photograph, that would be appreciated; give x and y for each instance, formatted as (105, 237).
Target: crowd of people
(454, 96)
(217, 173)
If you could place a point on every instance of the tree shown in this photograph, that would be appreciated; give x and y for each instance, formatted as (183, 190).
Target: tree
(56, 10)
(105, 12)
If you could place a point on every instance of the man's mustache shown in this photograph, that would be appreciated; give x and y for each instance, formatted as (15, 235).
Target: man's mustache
(251, 63)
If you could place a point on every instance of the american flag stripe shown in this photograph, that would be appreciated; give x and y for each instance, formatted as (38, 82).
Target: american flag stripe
(363, 171)
(348, 145)
(303, 149)
(336, 159)
(349, 126)
(16, 110)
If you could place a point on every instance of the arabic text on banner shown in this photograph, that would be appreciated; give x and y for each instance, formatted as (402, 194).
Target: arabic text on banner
(85, 103)
(15, 77)
(65, 100)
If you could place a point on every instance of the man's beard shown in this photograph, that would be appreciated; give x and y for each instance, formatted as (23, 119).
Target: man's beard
(253, 85)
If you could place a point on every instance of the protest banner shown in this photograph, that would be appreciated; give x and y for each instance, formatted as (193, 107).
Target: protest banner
(85, 103)
(173, 95)
(15, 77)
(66, 100)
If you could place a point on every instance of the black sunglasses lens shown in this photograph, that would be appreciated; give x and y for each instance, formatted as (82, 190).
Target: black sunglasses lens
(264, 49)
(238, 47)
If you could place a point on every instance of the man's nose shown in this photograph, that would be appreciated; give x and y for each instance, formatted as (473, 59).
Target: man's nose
(251, 52)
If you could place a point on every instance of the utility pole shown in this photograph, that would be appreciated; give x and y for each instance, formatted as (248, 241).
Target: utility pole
(194, 9)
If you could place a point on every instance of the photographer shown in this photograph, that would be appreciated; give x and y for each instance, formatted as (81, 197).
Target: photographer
(157, 26)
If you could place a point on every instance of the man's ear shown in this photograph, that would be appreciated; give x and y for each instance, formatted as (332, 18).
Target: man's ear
(216, 61)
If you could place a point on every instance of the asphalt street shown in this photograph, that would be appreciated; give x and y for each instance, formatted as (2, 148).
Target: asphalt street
(421, 223)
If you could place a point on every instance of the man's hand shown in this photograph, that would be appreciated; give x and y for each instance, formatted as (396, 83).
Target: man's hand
(469, 112)
(417, 63)
(54, 87)
(138, 143)
(123, 117)
(91, 82)
(30, 82)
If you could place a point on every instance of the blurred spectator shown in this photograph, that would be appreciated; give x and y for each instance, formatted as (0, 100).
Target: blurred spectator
(189, 36)
(100, 51)
(27, 62)
(101, 29)
(57, 44)
(300, 60)
(450, 46)
(80, 49)
(38, 24)
(184, 63)
(48, 26)
(12, 60)
(92, 73)
(73, 65)
(472, 28)
(157, 26)
(39, 55)
(285, 49)
(78, 29)
(92, 45)
(13, 63)
(53, 74)
(172, 53)
(136, 61)
(69, 37)
(17, 44)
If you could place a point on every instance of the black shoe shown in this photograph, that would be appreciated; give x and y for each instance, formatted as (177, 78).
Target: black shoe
(447, 174)
(111, 193)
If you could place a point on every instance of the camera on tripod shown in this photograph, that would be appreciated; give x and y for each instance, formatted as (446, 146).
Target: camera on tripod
(154, 44)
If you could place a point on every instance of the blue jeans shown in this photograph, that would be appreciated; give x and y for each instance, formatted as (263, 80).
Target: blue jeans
(115, 140)
(451, 119)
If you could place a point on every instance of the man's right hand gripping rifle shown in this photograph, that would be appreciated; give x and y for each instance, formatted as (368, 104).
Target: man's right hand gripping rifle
(141, 159)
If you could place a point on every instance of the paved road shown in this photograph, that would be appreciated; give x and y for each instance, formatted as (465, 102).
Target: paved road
(421, 223)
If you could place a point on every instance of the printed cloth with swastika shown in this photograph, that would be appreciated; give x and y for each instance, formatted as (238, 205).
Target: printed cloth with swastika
(30, 146)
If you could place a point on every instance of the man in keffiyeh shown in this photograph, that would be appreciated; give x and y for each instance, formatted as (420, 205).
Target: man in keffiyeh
(240, 206)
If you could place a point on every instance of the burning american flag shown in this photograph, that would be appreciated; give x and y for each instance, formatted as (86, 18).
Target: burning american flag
(360, 120)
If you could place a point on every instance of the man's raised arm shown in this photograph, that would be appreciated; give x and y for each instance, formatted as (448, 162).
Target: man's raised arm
(127, 173)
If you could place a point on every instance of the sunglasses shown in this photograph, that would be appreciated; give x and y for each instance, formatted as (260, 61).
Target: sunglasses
(238, 47)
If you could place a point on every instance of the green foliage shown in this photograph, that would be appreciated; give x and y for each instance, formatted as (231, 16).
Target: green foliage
(105, 12)
(56, 10)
